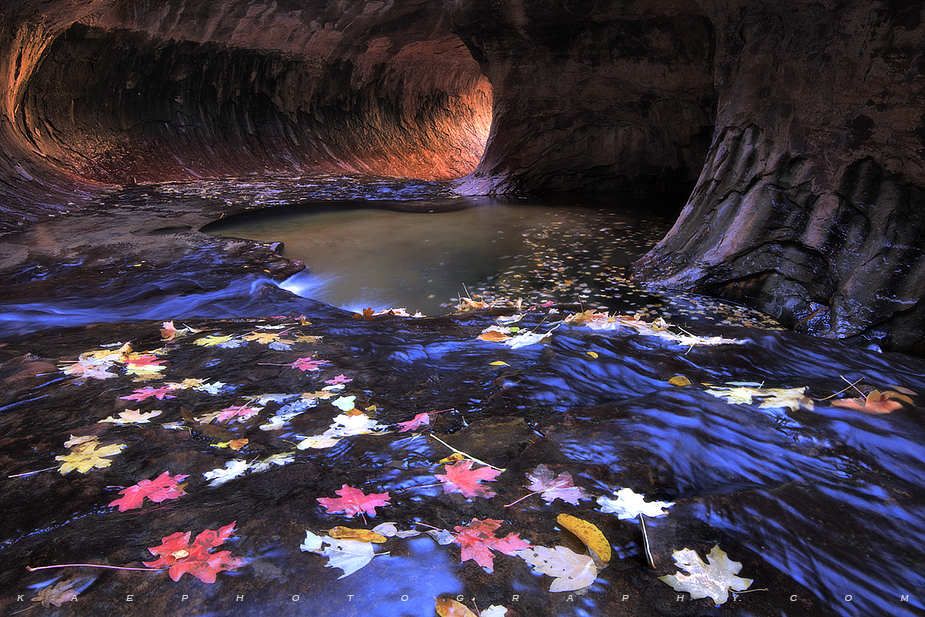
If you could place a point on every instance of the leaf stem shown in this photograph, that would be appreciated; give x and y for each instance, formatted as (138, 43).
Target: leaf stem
(469, 456)
(91, 565)
(645, 540)
(29, 473)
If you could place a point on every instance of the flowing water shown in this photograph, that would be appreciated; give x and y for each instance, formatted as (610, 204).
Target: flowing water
(823, 505)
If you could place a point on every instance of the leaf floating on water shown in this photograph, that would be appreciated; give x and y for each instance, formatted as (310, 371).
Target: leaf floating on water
(629, 505)
(570, 570)
(452, 608)
(588, 533)
(713, 580)
(498, 363)
(679, 380)
(493, 334)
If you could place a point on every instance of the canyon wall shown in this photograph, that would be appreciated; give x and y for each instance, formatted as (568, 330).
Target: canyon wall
(795, 129)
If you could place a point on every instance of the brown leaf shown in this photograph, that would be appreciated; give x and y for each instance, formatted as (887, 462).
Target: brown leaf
(493, 336)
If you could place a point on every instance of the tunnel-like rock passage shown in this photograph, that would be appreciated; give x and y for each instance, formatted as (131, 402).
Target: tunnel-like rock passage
(794, 128)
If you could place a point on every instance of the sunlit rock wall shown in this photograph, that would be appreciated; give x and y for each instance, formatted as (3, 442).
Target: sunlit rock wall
(811, 205)
(127, 91)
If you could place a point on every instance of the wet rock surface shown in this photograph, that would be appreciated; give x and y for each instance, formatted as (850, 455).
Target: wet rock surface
(769, 483)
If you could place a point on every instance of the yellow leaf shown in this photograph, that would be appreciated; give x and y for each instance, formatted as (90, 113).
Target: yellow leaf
(452, 608)
(588, 533)
(361, 535)
(679, 380)
(593, 354)
(85, 457)
(456, 456)
(498, 363)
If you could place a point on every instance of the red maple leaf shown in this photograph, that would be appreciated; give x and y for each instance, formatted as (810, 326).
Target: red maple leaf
(461, 478)
(418, 420)
(309, 364)
(145, 360)
(181, 557)
(157, 490)
(352, 501)
(147, 392)
(478, 539)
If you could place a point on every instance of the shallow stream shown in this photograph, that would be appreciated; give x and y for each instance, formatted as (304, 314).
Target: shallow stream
(766, 448)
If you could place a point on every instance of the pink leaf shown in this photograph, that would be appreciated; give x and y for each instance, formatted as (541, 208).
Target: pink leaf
(340, 379)
(157, 490)
(308, 364)
(460, 478)
(353, 501)
(553, 487)
(147, 392)
(418, 420)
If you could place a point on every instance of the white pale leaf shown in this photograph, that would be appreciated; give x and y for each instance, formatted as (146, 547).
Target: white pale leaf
(629, 504)
(570, 570)
(348, 555)
(232, 470)
(525, 339)
(713, 580)
(312, 543)
(494, 610)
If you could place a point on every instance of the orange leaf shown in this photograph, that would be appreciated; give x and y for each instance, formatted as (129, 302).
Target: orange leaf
(493, 336)
(452, 608)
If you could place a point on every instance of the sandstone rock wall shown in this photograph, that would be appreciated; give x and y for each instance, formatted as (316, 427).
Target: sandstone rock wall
(810, 205)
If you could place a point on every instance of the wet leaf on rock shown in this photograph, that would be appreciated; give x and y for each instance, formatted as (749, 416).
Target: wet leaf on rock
(461, 478)
(86, 455)
(61, 592)
(353, 501)
(713, 580)
(180, 557)
(629, 504)
(588, 533)
(553, 487)
(452, 608)
(160, 489)
(348, 555)
(132, 416)
(570, 570)
(230, 471)
(478, 540)
(875, 402)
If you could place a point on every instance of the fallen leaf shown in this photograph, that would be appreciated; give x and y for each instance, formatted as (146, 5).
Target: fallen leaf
(60, 592)
(452, 608)
(629, 505)
(706, 581)
(160, 489)
(361, 535)
(589, 534)
(348, 555)
(309, 364)
(498, 363)
(132, 416)
(353, 501)
(493, 335)
(237, 413)
(217, 340)
(553, 487)
(85, 456)
(477, 540)
(679, 380)
(592, 354)
(417, 421)
(461, 478)
(570, 570)
(230, 471)
(180, 557)
(495, 610)
(875, 402)
(147, 392)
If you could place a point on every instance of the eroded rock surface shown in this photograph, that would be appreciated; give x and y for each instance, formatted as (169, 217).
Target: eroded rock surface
(799, 124)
